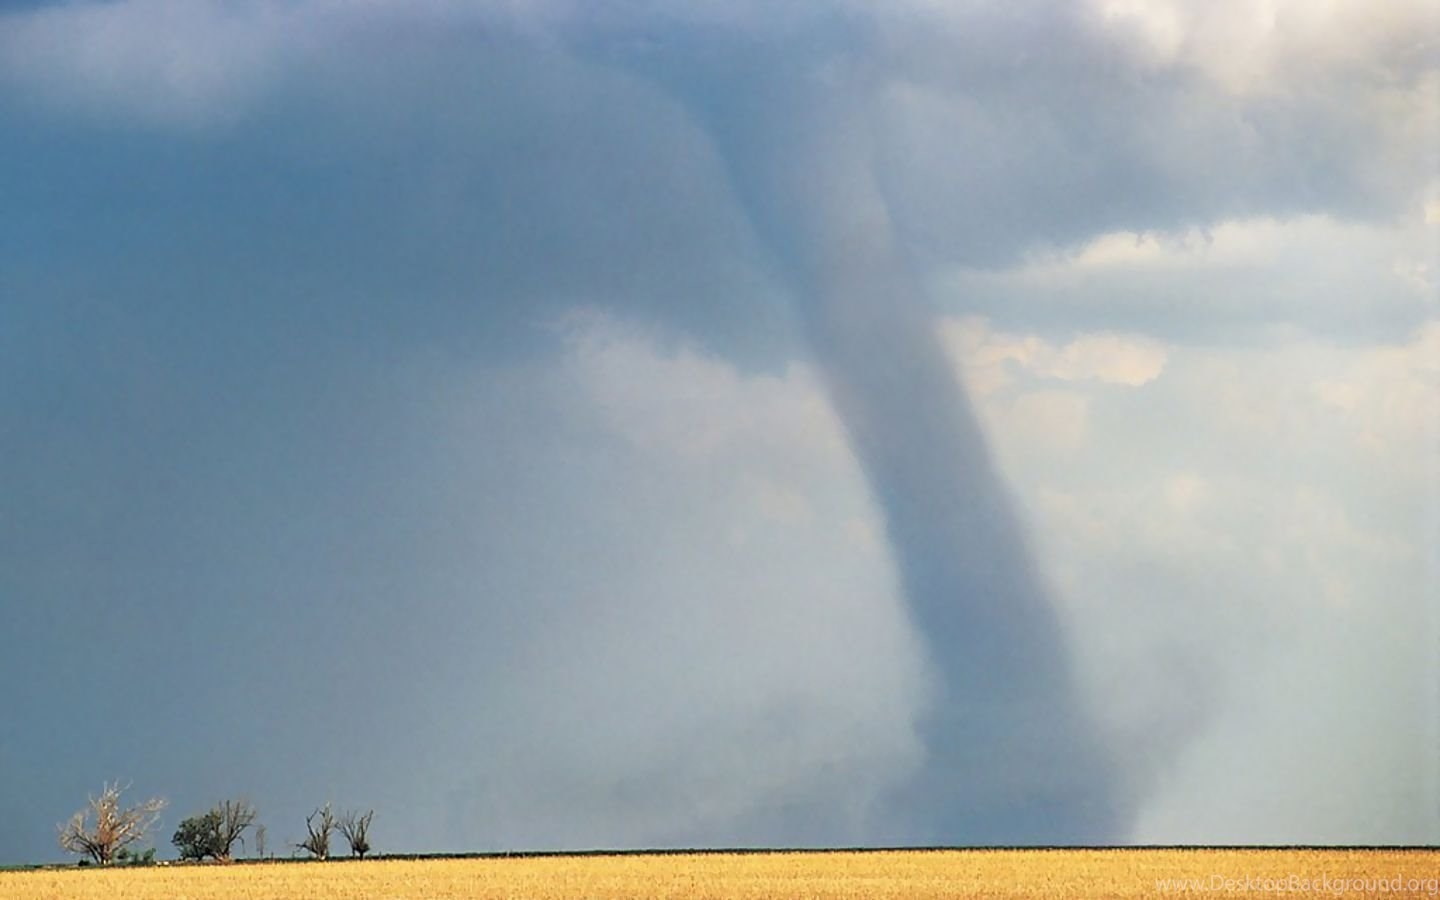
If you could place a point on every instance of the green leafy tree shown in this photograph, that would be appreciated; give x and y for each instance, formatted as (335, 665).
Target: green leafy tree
(215, 833)
(196, 838)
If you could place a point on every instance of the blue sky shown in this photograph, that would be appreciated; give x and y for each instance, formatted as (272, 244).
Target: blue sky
(559, 425)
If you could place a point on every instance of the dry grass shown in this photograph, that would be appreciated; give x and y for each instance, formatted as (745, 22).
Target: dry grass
(897, 874)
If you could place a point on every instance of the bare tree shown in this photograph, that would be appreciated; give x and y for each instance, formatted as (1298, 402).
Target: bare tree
(234, 817)
(215, 833)
(260, 841)
(114, 827)
(318, 842)
(356, 830)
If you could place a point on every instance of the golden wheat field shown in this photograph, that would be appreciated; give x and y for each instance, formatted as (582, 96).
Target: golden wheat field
(879, 874)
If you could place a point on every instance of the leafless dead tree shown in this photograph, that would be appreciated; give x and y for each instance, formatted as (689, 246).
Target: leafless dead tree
(318, 842)
(356, 829)
(233, 817)
(260, 841)
(114, 826)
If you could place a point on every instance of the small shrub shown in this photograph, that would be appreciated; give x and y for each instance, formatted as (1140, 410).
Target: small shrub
(127, 857)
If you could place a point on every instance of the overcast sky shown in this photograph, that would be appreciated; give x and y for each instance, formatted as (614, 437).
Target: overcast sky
(568, 425)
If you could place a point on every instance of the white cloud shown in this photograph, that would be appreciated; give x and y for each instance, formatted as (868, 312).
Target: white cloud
(665, 404)
(1311, 273)
(732, 642)
(991, 358)
(1260, 46)
(1234, 244)
(1109, 358)
(1243, 547)
(1050, 421)
(1387, 401)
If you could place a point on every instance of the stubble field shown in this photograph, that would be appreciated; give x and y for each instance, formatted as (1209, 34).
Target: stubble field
(880, 874)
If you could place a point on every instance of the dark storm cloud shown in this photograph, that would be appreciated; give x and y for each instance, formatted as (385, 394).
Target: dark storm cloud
(234, 285)
(1045, 124)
